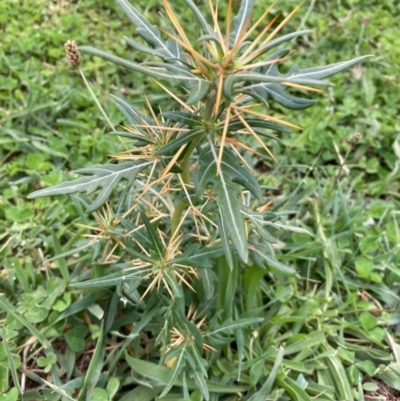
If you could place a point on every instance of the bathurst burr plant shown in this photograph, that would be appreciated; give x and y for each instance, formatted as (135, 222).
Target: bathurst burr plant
(183, 226)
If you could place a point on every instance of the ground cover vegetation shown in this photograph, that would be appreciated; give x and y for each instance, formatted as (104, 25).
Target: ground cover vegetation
(314, 315)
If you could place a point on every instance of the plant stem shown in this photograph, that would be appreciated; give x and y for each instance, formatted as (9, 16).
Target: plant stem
(96, 101)
(185, 166)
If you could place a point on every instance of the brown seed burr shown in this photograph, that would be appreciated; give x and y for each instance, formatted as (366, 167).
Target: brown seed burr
(73, 54)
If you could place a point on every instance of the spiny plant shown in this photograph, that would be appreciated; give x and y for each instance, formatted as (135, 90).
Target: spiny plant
(184, 231)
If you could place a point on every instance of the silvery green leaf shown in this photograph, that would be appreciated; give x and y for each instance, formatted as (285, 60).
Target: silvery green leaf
(207, 172)
(175, 144)
(265, 134)
(266, 254)
(279, 40)
(106, 177)
(178, 366)
(287, 37)
(276, 91)
(163, 374)
(265, 391)
(259, 123)
(229, 205)
(129, 112)
(287, 227)
(134, 137)
(142, 48)
(246, 8)
(178, 75)
(223, 233)
(317, 73)
(172, 45)
(149, 33)
(182, 117)
(272, 87)
(173, 284)
(258, 222)
(279, 93)
(152, 233)
(110, 280)
(256, 77)
(180, 70)
(228, 88)
(208, 278)
(206, 38)
(272, 69)
(201, 384)
(198, 87)
(252, 95)
(198, 90)
(200, 257)
(199, 16)
(228, 201)
(230, 325)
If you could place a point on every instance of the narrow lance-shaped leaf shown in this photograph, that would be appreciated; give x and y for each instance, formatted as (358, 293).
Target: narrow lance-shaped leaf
(258, 224)
(153, 235)
(260, 123)
(200, 257)
(259, 80)
(279, 93)
(198, 86)
(172, 45)
(175, 144)
(223, 233)
(201, 385)
(278, 41)
(199, 16)
(149, 32)
(198, 89)
(297, 79)
(182, 117)
(156, 72)
(229, 205)
(142, 48)
(164, 375)
(208, 278)
(293, 389)
(106, 177)
(178, 366)
(266, 388)
(172, 283)
(230, 325)
(207, 172)
(246, 8)
(270, 260)
(134, 137)
(323, 71)
(133, 115)
(111, 280)
(287, 37)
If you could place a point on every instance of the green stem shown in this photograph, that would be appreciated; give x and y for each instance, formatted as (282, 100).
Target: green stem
(185, 166)
(96, 101)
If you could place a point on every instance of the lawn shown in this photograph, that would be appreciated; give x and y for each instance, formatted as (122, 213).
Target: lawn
(334, 327)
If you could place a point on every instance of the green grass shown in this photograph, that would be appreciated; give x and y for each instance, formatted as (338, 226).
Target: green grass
(336, 324)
